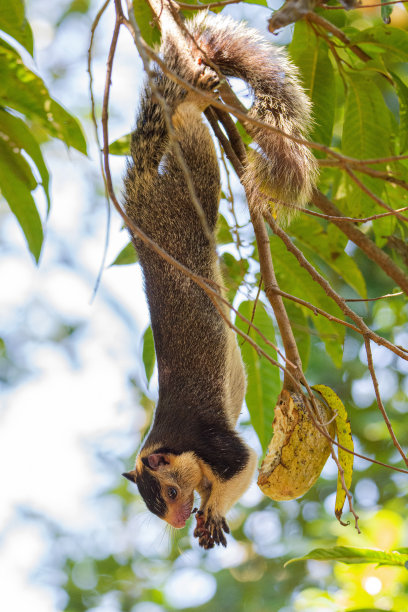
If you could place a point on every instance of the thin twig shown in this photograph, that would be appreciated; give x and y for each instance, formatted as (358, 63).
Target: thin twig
(225, 143)
(380, 297)
(315, 309)
(95, 125)
(377, 160)
(366, 6)
(373, 196)
(330, 27)
(379, 400)
(282, 319)
(255, 305)
(313, 213)
(385, 176)
(230, 200)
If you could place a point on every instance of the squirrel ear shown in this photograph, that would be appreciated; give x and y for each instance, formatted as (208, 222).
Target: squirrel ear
(155, 460)
(130, 476)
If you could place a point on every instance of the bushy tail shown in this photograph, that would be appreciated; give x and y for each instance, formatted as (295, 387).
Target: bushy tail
(284, 170)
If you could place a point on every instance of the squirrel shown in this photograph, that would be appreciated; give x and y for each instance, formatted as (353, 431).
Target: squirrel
(192, 444)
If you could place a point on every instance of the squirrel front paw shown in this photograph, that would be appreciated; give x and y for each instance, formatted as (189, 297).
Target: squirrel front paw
(210, 529)
(207, 78)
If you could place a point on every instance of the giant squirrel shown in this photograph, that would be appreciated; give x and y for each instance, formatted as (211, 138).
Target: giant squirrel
(193, 445)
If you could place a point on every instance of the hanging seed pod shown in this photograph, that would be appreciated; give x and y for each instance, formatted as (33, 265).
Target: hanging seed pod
(297, 452)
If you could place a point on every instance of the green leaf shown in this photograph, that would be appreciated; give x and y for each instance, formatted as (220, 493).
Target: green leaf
(224, 235)
(234, 271)
(25, 92)
(18, 136)
(402, 90)
(301, 331)
(246, 138)
(145, 21)
(127, 256)
(16, 183)
(149, 355)
(350, 555)
(65, 127)
(264, 383)
(367, 125)
(328, 242)
(311, 54)
(294, 279)
(338, 18)
(14, 23)
(367, 133)
(21, 167)
(384, 38)
(343, 264)
(343, 430)
(121, 146)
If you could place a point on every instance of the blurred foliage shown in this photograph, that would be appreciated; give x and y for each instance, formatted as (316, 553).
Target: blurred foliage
(24, 99)
(360, 109)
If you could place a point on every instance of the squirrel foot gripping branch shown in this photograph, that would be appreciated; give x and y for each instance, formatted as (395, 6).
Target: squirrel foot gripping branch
(193, 445)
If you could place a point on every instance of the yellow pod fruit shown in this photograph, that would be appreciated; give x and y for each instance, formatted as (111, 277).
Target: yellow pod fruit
(297, 452)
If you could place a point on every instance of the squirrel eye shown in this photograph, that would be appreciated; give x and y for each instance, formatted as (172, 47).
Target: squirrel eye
(172, 492)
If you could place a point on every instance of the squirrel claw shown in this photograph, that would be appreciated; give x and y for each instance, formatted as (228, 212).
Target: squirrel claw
(210, 530)
(207, 78)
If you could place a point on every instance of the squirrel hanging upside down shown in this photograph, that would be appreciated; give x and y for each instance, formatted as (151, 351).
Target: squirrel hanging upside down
(193, 445)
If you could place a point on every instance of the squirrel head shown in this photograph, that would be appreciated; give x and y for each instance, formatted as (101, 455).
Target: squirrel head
(166, 481)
